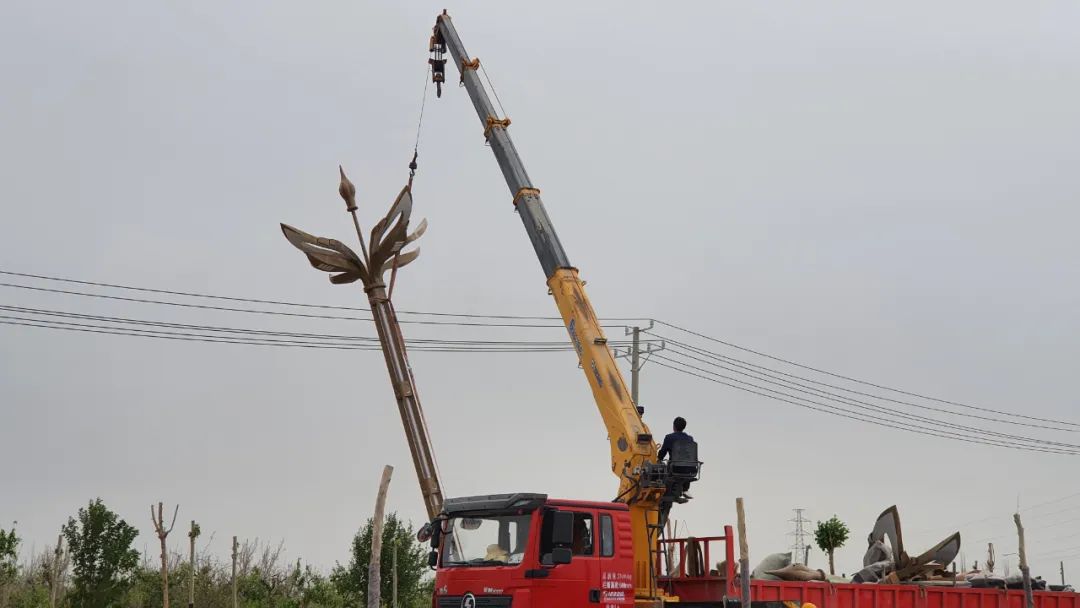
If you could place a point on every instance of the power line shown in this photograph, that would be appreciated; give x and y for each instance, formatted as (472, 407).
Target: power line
(186, 336)
(966, 431)
(562, 345)
(743, 364)
(856, 380)
(494, 321)
(307, 339)
(268, 312)
(1043, 527)
(995, 517)
(191, 294)
(863, 405)
(835, 411)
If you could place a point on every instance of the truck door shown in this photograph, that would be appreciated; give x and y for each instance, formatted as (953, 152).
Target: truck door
(615, 551)
(577, 583)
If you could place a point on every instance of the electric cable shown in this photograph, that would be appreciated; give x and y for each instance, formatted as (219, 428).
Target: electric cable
(741, 363)
(822, 394)
(856, 380)
(835, 411)
(216, 328)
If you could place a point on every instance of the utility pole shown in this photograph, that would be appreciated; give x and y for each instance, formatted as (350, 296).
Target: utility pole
(1062, 573)
(800, 548)
(634, 354)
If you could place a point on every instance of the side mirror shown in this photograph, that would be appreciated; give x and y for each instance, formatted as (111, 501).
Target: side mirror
(561, 555)
(423, 535)
(436, 533)
(433, 559)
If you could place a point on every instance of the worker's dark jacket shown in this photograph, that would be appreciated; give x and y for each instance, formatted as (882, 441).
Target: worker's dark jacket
(669, 442)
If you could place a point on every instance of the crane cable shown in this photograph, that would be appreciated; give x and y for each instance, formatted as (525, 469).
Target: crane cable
(493, 91)
(419, 124)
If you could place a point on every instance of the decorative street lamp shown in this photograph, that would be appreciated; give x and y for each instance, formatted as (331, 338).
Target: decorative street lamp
(388, 237)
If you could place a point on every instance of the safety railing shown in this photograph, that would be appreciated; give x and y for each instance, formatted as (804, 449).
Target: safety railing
(692, 556)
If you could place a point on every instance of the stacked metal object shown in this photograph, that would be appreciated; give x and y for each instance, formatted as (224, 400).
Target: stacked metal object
(891, 564)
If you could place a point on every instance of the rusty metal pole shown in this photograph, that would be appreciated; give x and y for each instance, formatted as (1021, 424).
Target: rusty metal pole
(408, 399)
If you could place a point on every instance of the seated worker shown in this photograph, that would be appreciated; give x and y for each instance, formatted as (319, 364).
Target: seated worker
(679, 426)
(677, 491)
(583, 543)
(496, 553)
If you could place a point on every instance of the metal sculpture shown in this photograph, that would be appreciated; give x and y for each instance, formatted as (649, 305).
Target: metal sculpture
(891, 563)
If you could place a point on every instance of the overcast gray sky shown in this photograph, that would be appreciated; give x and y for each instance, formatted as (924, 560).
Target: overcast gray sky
(884, 191)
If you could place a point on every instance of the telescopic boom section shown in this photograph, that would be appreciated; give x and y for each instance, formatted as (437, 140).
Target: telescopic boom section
(632, 445)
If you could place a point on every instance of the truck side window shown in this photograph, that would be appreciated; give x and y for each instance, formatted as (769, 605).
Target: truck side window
(583, 534)
(607, 537)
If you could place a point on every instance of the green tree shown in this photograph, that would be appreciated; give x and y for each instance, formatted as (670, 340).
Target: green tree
(32, 594)
(831, 535)
(9, 554)
(9, 570)
(102, 559)
(414, 585)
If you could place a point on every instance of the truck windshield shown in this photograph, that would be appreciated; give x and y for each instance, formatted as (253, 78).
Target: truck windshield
(486, 540)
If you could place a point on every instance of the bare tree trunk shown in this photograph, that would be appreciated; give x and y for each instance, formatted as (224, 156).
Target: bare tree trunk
(832, 566)
(57, 553)
(192, 536)
(162, 534)
(235, 603)
(1029, 601)
(374, 570)
(744, 554)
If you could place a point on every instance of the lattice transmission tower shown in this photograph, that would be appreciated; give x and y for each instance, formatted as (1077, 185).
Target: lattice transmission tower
(800, 549)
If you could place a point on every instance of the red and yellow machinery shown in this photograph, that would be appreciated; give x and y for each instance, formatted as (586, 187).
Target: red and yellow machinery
(525, 550)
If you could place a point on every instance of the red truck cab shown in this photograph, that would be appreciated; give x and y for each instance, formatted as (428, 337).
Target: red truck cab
(527, 551)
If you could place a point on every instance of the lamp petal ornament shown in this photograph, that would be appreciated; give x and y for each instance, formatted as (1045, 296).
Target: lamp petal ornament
(328, 255)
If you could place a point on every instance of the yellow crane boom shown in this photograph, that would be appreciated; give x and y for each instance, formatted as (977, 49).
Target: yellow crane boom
(642, 481)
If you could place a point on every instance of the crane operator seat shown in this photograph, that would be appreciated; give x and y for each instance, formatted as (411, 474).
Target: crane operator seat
(676, 472)
(683, 464)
